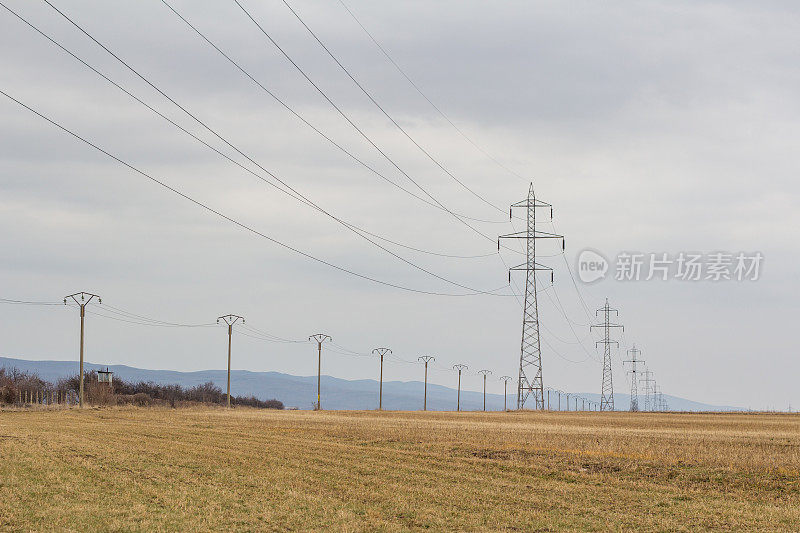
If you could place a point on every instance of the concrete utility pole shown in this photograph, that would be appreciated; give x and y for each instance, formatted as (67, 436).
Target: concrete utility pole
(426, 359)
(459, 367)
(319, 338)
(381, 352)
(607, 388)
(85, 298)
(530, 359)
(505, 379)
(484, 372)
(634, 385)
(230, 320)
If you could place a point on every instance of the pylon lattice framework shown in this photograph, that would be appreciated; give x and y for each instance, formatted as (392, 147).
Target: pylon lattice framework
(607, 389)
(647, 388)
(530, 361)
(634, 378)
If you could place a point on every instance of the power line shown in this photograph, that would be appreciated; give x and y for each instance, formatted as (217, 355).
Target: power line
(349, 226)
(312, 126)
(419, 90)
(27, 302)
(353, 124)
(291, 192)
(386, 113)
(226, 217)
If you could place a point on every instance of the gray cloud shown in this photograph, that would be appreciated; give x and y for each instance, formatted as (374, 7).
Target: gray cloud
(650, 126)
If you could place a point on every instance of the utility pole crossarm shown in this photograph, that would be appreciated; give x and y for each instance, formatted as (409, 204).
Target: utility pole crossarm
(538, 234)
(85, 298)
(536, 266)
(230, 320)
(532, 202)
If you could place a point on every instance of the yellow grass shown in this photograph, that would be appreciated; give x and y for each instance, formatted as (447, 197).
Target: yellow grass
(212, 469)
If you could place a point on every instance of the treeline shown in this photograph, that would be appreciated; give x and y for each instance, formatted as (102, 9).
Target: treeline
(17, 386)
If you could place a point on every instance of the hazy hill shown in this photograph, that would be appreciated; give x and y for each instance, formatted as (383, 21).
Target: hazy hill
(301, 391)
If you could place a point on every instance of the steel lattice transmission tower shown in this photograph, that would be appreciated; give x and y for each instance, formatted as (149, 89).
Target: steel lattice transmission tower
(633, 352)
(647, 388)
(530, 361)
(607, 390)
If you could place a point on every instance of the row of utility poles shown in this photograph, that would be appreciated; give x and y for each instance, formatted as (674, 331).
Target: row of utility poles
(82, 299)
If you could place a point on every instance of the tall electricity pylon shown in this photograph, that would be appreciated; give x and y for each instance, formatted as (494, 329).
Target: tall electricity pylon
(83, 302)
(633, 352)
(607, 390)
(230, 320)
(530, 359)
(319, 338)
(459, 367)
(647, 388)
(381, 352)
(658, 398)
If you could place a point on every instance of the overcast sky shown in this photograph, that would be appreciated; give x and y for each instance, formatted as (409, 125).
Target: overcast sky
(650, 126)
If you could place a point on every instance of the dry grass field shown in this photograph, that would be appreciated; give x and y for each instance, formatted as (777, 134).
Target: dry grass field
(212, 469)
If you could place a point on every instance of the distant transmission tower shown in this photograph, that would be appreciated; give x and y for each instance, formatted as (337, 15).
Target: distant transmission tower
(633, 352)
(607, 390)
(530, 360)
(659, 398)
(647, 388)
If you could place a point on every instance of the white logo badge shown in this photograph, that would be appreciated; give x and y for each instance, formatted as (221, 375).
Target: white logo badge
(591, 266)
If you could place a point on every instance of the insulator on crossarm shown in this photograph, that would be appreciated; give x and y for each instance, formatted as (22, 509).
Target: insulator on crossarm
(563, 244)
(509, 276)
(551, 213)
(510, 214)
(552, 278)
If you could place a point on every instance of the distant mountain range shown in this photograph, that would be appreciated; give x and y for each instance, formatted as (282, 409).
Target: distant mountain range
(301, 391)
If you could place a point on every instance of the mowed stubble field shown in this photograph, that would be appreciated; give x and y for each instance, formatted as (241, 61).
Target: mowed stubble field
(213, 469)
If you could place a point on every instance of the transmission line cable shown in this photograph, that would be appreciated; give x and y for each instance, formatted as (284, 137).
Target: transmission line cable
(355, 126)
(347, 225)
(291, 192)
(419, 90)
(388, 116)
(312, 126)
(228, 218)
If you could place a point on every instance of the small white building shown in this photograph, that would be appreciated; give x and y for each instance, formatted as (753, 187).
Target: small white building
(105, 376)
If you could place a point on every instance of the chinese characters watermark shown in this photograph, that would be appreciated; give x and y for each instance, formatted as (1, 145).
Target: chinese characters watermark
(663, 266)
